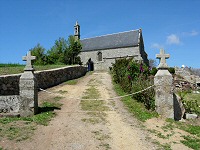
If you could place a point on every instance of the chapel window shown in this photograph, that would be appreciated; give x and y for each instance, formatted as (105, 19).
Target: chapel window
(99, 56)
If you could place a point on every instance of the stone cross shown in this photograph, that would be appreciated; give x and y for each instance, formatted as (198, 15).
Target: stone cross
(28, 60)
(163, 82)
(28, 87)
(162, 56)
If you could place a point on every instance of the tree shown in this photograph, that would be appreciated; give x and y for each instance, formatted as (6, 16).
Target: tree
(39, 52)
(56, 55)
(73, 50)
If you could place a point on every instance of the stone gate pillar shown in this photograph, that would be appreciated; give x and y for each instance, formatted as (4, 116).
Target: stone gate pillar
(28, 89)
(163, 82)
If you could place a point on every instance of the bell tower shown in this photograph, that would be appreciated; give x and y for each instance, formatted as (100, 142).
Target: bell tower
(77, 31)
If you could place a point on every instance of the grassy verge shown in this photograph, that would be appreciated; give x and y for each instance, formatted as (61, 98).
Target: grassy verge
(6, 69)
(192, 102)
(72, 82)
(192, 139)
(191, 142)
(134, 107)
(22, 128)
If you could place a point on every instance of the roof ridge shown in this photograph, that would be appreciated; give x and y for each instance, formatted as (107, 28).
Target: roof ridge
(111, 34)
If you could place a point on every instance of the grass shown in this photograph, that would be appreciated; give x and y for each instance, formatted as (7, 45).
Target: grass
(95, 118)
(10, 65)
(91, 93)
(22, 128)
(134, 107)
(57, 98)
(192, 102)
(93, 105)
(6, 69)
(106, 146)
(192, 129)
(191, 142)
(99, 135)
(72, 82)
(162, 146)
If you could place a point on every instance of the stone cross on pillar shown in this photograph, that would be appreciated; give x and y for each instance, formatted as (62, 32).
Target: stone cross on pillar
(163, 82)
(28, 60)
(28, 89)
(162, 56)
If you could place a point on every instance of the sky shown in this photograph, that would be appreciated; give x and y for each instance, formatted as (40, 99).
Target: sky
(173, 25)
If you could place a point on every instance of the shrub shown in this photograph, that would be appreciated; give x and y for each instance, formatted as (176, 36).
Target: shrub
(147, 97)
(153, 71)
(171, 70)
(119, 69)
(133, 77)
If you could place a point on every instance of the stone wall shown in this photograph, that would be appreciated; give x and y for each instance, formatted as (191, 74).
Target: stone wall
(107, 54)
(9, 104)
(9, 84)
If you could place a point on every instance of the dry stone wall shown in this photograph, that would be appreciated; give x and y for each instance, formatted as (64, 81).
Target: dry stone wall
(9, 104)
(9, 84)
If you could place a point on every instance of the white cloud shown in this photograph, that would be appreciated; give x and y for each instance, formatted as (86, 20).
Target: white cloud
(173, 39)
(191, 33)
(157, 46)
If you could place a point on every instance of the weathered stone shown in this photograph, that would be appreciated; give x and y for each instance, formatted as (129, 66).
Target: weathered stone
(162, 56)
(28, 60)
(28, 89)
(191, 116)
(9, 103)
(28, 94)
(45, 79)
(163, 82)
(179, 109)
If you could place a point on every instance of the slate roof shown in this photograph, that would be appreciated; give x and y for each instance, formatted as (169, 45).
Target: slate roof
(117, 40)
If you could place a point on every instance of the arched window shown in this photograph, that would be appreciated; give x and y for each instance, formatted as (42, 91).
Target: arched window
(99, 56)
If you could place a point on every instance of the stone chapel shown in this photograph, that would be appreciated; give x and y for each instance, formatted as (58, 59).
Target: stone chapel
(104, 50)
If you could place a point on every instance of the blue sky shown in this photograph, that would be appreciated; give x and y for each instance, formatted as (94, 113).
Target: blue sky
(170, 24)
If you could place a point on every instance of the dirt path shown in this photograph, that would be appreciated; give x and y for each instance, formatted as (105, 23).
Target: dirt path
(77, 129)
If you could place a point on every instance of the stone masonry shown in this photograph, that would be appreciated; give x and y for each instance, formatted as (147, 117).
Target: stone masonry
(163, 82)
(28, 89)
(9, 95)
(9, 84)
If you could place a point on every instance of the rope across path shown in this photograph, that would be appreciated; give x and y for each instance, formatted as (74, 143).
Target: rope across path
(101, 99)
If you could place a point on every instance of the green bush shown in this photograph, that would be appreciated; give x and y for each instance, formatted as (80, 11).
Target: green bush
(190, 101)
(153, 71)
(133, 77)
(147, 97)
(171, 70)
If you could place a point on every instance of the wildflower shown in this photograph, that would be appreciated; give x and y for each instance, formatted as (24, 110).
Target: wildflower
(129, 77)
(150, 68)
(141, 68)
